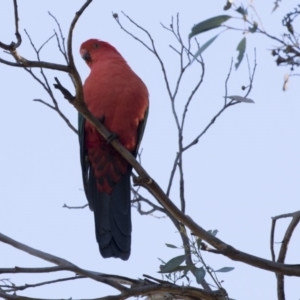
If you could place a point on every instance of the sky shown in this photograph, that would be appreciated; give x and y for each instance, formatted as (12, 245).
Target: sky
(242, 172)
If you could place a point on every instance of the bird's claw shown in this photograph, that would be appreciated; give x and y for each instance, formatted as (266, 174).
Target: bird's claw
(102, 119)
(111, 137)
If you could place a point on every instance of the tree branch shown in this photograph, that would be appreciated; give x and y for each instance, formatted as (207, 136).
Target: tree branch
(14, 288)
(138, 287)
(284, 246)
(30, 270)
(68, 266)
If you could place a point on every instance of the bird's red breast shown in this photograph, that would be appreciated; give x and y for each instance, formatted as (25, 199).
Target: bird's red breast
(115, 94)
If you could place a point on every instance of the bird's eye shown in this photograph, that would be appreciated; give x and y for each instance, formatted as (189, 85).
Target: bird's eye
(96, 45)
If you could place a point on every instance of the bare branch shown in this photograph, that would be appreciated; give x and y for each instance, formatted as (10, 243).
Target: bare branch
(61, 46)
(44, 102)
(284, 246)
(139, 198)
(68, 266)
(251, 74)
(15, 288)
(138, 287)
(226, 105)
(18, 36)
(172, 174)
(196, 140)
(24, 63)
(75, 207)
(13, 45)
(226, 82)
(30, 270)
(147, 289)
(45, 84)
(43, 255)
(70, 35)
(152, 50)
(69, 124)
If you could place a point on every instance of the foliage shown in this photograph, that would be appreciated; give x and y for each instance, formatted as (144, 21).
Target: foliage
(287, 53)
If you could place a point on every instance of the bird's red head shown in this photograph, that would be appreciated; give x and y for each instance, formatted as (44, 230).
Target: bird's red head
(94, 50)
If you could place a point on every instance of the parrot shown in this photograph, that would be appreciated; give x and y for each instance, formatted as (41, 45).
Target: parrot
(119, 99)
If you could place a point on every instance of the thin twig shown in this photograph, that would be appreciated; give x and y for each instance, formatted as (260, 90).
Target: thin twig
(61, 46)
(154, 51)
(196, 140)
(45, 84)
(17, 33)
(75, 207)
(284, 246)
(70, 35)
(14, 288)
(139, 198)
(31, 270)
(173, 171)
(68, 266)
(226, 82)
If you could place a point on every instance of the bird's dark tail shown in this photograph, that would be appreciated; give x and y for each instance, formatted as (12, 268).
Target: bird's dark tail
(112, 217)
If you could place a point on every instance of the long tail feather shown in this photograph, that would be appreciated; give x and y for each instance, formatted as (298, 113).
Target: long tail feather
(112, 214)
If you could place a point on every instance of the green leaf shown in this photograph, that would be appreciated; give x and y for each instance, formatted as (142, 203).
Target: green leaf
(204, 46)
(188, 268)
(200, 274)
(172, 264)
(171, 246)
(254, 28)
(241, 48)
(214, 233)
(208, 24)
(225, 269)
(240, 99)
(161, 260)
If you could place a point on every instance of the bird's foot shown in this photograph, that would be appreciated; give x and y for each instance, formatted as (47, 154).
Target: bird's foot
(111, 137)
(102, 119)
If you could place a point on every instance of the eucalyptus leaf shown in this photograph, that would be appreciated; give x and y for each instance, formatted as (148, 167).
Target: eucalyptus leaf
(225, 269)
(199, 274)
(241, 48)
(204, 46)
(172, 264)
(214, 233)
(171, 246)
(208, 24)
(241, 99)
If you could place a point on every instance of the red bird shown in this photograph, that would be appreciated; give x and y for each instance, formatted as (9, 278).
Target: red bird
(119, 99)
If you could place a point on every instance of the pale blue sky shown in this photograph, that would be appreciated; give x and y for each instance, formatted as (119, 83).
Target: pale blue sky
(243, 171)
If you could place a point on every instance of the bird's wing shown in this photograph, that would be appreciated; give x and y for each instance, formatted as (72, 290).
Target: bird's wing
(85, 164)
(140, 131)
